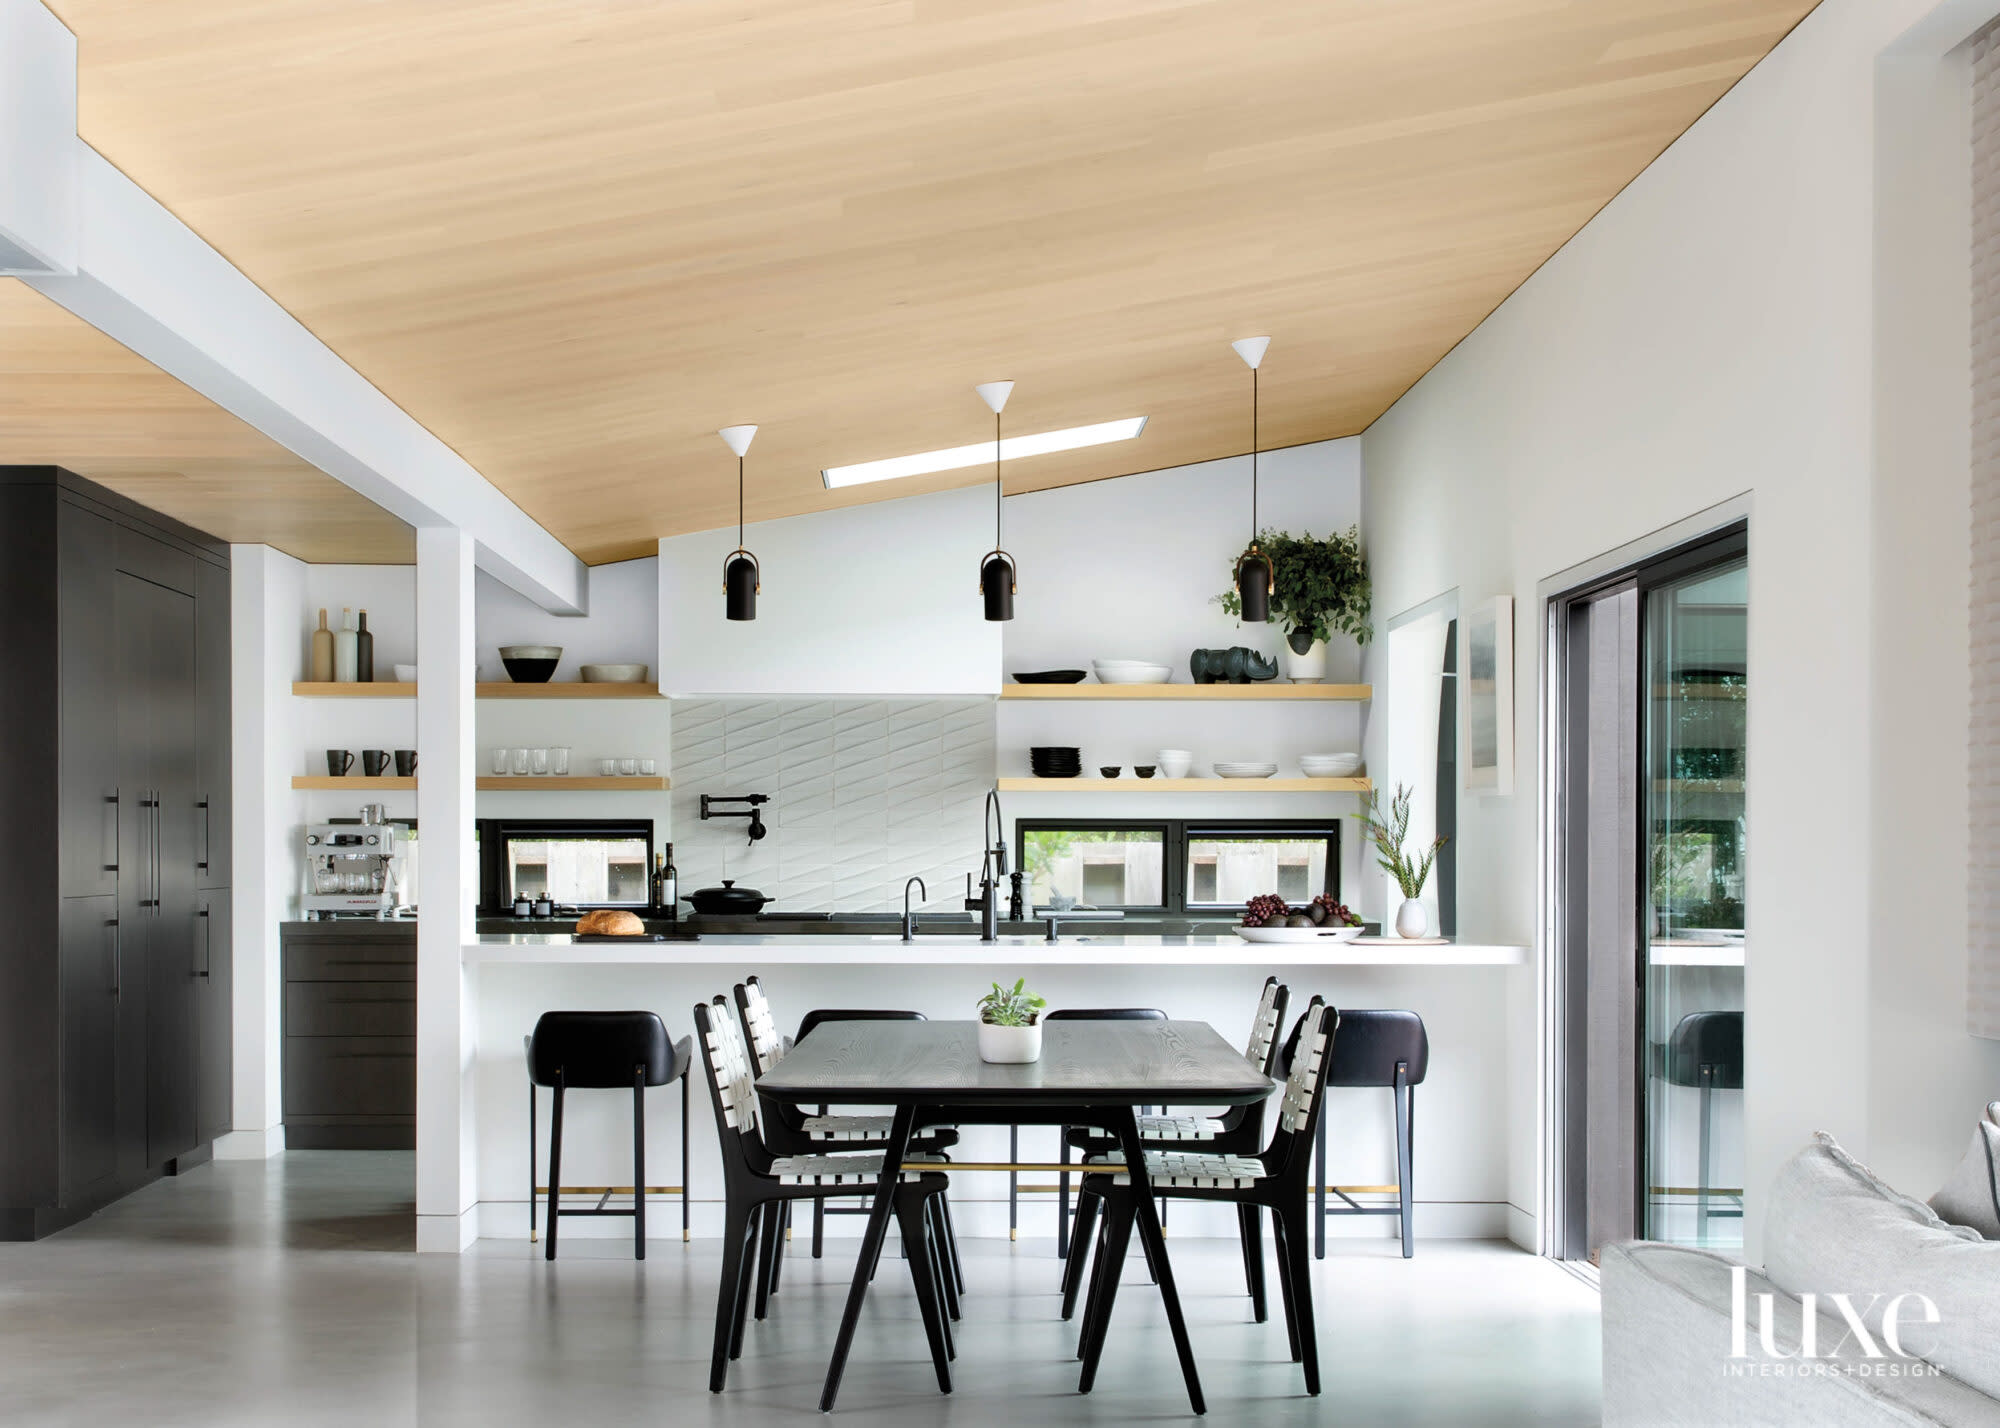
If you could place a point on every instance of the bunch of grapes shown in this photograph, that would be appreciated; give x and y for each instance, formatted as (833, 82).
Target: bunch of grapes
(1326, 911)
(1265, 910)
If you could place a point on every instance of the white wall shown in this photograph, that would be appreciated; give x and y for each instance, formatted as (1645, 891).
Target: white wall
(1711, 333)
(876, 599)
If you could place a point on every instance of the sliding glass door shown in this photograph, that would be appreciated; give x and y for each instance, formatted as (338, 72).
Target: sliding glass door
(1646, 818)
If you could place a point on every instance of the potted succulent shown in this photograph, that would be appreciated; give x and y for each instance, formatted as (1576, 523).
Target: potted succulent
(1319, 588)
(1010, 1025)
(1409, 870)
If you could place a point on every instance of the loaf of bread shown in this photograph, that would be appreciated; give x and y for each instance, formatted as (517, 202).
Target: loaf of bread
(611, 922)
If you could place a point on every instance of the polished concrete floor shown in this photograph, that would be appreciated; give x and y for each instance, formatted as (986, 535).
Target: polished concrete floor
(283, 1292)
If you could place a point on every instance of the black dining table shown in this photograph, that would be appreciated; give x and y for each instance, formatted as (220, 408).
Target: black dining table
(1095, 1073)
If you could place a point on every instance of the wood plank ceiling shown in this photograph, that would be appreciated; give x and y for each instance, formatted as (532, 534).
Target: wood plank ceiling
(70, 396)
(574, 239)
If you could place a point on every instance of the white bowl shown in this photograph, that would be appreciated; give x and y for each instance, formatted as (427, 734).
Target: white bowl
(1130, 671)
(406, 673)
(1245, 770)
(614, 674)
(1298, 934)
(1174, 763)
(1330, 765)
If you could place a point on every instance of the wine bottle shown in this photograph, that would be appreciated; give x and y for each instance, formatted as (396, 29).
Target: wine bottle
(670, 890)
(656, 884)
(364, 652)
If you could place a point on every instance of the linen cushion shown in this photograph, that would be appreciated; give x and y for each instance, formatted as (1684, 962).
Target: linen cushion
(1971, 1194)
(1833, 1227)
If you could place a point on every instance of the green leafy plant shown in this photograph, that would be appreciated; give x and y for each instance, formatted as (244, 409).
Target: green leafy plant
(1319, 588)
(1018, 1007)
(1387, 834)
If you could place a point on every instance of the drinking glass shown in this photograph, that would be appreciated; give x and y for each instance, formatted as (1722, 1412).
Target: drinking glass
(500, 761)
(520, 758)
(538, 760)
(559, 760)
(628, 766)
(648, 767)
(607, 767)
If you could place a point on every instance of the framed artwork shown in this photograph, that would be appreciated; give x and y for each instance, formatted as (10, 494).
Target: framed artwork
(1486, 700)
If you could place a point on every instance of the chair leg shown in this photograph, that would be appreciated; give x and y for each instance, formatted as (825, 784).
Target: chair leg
(1250, 1226)
(1701, 1172)
(743, 1271)
(639, 1163)
(555, 1170)
(1097, 1262)
(1406, 1112)
(1294, 1224)
(1079, 1251)
(819, 1228)
(934, 1223)
(1118, 1218)
(767, 1252)
(687, 1222)
(735, 1234)
(1062, 1196)
(1319, 1193)
(910, 1215)
(776, 1266)
(1013, 1184)
(533, 1196)
(954, 1270)
(1287, 1290)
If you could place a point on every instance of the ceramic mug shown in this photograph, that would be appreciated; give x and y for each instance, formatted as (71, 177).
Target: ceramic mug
(338, 762)
(406, 763)
(374, 762)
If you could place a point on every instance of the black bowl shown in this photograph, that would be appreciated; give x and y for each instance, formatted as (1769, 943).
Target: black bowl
(1144, 770)
(1050, 676)
(530, 671)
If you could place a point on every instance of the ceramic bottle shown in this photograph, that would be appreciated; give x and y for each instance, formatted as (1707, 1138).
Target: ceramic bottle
(346, 650)
(322, 653)
(364, 652)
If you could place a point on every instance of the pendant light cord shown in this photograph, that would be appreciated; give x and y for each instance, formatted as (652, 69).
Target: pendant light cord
(739, 503)
(1253, 457)
(996, 480)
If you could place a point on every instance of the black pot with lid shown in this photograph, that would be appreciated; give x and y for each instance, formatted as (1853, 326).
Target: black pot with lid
(728, 900)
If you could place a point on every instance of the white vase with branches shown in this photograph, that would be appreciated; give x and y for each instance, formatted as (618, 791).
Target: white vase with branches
(1410, 870)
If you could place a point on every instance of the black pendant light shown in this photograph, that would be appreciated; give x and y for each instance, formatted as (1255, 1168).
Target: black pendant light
(742, 576)
(997, 582)
(1253, 568)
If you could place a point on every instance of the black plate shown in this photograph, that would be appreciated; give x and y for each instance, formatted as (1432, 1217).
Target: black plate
(1050, 676)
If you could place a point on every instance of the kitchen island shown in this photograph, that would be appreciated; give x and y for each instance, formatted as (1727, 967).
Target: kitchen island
(1462, 1149)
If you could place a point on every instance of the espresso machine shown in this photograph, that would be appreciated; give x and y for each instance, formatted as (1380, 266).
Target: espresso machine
(361, 867)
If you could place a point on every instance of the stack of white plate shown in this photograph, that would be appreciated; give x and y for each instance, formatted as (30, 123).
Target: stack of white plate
(1245, 770)
(1130, 671)
(1329, 765)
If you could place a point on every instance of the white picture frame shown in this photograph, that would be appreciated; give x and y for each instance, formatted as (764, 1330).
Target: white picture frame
(1486, 696)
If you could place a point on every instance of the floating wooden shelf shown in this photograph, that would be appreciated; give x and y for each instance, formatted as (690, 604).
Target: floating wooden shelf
(503, 689)
(1185, 785)
(1087, 690)
(380, 689)
(573, 783)
(385, 783)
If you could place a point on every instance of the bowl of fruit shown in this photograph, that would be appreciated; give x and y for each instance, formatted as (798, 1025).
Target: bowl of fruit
(1267, 918)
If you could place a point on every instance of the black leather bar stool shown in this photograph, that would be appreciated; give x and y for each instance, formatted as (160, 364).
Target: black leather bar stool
(604, 1050)
(1387, 1049)
(1706, 1052)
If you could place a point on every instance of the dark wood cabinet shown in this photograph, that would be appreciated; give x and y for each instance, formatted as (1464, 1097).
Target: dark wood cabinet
(114, 982)
(350, 1035)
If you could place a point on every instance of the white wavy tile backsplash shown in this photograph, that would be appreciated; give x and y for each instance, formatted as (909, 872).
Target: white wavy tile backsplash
(864, 794)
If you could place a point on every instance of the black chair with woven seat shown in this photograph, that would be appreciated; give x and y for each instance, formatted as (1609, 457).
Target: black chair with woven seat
(1705, 1053)
(1387, 1050)
(603, 1050)
(759, 1186)
(1273, 1180)
(1238, 1131)
(788, 1131)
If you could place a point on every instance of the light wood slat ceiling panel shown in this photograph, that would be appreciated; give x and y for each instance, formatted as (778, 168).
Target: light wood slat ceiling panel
(70, 396)
(573, 239)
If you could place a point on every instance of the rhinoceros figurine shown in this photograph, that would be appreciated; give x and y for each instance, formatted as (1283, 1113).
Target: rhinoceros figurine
(1235, 665)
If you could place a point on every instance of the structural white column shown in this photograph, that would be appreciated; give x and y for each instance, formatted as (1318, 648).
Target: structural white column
(447, 884)
(266, 622)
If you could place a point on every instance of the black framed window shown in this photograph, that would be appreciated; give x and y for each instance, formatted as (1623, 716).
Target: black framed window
(575, 862)
(1177, 866)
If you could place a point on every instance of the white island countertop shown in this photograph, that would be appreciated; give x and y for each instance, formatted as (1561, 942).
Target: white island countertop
(940, 949)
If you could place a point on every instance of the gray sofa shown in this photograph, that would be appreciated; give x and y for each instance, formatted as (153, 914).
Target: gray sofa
(1831, 1228)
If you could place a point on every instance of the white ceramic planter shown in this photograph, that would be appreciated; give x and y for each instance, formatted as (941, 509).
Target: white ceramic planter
(1412, 919)
(1307, 668)
(1010, 1045)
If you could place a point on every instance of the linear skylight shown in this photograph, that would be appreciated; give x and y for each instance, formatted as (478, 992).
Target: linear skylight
(1012, 448)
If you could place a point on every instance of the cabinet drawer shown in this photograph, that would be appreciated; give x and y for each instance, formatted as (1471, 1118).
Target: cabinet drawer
(350, 1075)
(350, 1009)
(357, 961)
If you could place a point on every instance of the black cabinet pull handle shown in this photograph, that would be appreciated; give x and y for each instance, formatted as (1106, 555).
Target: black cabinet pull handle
(207, 952)
(207, 841)
(117, 960)
(117, 829)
